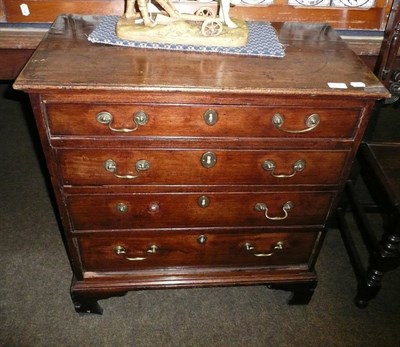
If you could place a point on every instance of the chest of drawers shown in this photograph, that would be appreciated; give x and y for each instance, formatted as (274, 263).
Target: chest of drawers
(180, 169)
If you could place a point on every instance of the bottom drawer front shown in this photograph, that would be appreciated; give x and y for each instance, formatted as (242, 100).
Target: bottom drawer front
(124, 252)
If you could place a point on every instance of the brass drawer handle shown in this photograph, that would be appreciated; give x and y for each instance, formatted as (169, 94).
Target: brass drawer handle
(120, 250)
(106, 118)
(270, 165)
(312, 122)
(276, 247)
(111, 166)
(260, 206)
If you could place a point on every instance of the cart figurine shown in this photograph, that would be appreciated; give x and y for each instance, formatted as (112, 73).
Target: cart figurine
(211, 24)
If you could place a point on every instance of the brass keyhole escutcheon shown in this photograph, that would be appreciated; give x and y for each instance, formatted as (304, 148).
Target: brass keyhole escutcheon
(121, 207)
(210, 117)
(154, 207)
(203, 201)
(208, 160)
(202, 239)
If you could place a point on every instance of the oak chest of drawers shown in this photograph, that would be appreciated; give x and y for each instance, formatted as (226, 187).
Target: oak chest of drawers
(183, 169)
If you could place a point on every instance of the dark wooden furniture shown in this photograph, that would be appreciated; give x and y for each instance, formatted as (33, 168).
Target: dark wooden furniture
(22, 23)
(379, 165)
(387, 69)
(176, 169)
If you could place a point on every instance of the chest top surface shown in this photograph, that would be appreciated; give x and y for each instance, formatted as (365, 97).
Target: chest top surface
(314, 56)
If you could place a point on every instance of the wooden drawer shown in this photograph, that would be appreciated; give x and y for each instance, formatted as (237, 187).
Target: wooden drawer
(191, 121)
(185, 167)
(111, 211)
(124, 251)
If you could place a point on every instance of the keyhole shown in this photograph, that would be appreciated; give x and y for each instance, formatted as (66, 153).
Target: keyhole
(208, 159)
(210, 117)
(203, 201)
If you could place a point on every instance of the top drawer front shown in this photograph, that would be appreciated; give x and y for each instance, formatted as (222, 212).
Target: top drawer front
(199, 121)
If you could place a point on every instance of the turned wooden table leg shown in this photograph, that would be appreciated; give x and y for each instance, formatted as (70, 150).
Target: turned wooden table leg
(386, 259)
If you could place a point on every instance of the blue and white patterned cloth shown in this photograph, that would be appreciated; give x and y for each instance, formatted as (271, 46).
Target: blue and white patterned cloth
(262, 41)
